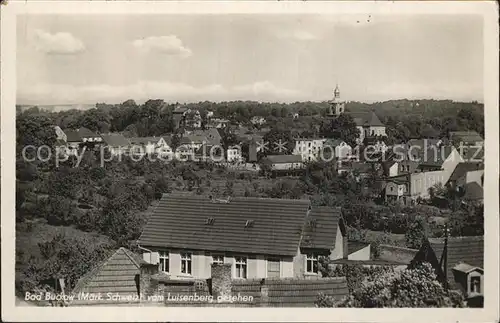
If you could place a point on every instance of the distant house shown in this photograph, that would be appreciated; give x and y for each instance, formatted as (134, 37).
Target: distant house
(459, 263)
(211, 136)
(308, 148)
(368, 124)
(391, 168)
(218, 123)
(234, 154)
(339, 148)
(256, 120)
(179, 116)
(396, 190)
(467, 138)
(256, 237)
(355, 168)
(151, 145)
(284, 162)
(60, 135)
(88, 136)
(465, 173)
(117, 144)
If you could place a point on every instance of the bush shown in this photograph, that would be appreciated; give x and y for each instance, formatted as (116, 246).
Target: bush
(417, 287)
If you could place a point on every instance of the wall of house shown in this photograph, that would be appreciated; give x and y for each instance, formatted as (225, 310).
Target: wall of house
(338, 251)
(363, 254)
(394, 189)
(470, 177)
(343, 151)
(393, 170)
(377, 131)
(450, 164)
(421, 182)
(201, 262)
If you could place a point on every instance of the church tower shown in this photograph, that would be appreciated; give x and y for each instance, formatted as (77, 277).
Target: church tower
(336, 107)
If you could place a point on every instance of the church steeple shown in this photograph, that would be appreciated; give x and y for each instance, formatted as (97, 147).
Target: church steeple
(336, 107)
(336, 92)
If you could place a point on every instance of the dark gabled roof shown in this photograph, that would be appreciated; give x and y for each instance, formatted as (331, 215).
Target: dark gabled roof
(60, 142)
(462, 169)
(86, 133)
(117, 275)
(180, 109)
(366, 119)
(179, 221)
(473, 154)
(284, 159)
(72, 135)
(320, 229)
(469, 250)
(423, 143)
(354, 246)
(149, 140)
(466, 136)
(396, 254)
(115, 140)
(435, 156)
(473, 191)
(211, 136)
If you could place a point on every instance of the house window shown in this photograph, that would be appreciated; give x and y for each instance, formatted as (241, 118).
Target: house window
(312, 264)
(475, 284)
(218, 259)
(241, 267)
(392, 188)
(186, 263)
(164, 261)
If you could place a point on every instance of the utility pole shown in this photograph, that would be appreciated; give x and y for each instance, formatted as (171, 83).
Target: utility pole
(445, 255)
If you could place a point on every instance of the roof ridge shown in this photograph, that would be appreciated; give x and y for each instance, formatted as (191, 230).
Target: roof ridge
(92, 272)
(127, 253)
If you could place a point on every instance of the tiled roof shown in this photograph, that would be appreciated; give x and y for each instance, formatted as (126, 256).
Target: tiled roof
(144, 140)
(181, 222)
(117, 275)
(86, 133)
(291, 292)
(115, 140)
(469, 250)
(180, 109)
(473, 191)
(72, 135)
(211, 136)
(396, 254)
(434, 157)
(284, 159)
(366, 119)
(333, 142)
(466, 136)
(320, 229)
(462, 169)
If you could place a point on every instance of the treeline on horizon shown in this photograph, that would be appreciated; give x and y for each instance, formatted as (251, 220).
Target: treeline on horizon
(404, 119)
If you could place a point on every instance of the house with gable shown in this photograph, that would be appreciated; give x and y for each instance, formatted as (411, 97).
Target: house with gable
(117, 144)
(256, 237)
(152, 145)
(459, 262)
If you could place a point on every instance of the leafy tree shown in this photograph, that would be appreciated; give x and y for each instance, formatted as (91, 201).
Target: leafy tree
(342, 127)
(416, 287)
(34, 129)
(415, 234)
(279, 142)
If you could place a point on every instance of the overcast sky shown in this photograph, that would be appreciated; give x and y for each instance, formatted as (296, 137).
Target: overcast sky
(87, 59)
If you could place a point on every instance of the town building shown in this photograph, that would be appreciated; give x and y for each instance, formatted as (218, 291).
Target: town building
(161, 145)
(335, 106)
(336, 148)
(466, 138)
(256, 237)
(284, 163)
(308, 148)
(116, 144)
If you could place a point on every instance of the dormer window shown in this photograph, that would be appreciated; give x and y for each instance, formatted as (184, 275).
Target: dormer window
(210, 221)
(249, 224)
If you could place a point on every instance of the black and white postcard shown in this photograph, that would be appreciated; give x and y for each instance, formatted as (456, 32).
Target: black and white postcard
(288, 161)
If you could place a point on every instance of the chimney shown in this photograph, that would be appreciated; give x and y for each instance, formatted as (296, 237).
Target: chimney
(221, 280)
(345, 247)
(148, 286)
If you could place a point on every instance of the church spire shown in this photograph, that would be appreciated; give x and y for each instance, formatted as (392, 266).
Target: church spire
(336, 92)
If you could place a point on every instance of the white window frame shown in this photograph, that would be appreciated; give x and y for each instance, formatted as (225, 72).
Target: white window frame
(240, 263)
(313, 258)
(164, 261)
(187, 257)
(218, 255)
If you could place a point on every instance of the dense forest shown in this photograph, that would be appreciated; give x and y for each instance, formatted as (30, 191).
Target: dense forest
(68, 218)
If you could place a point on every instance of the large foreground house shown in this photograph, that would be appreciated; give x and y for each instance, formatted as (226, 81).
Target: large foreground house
(459, 263)
(256, 237)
